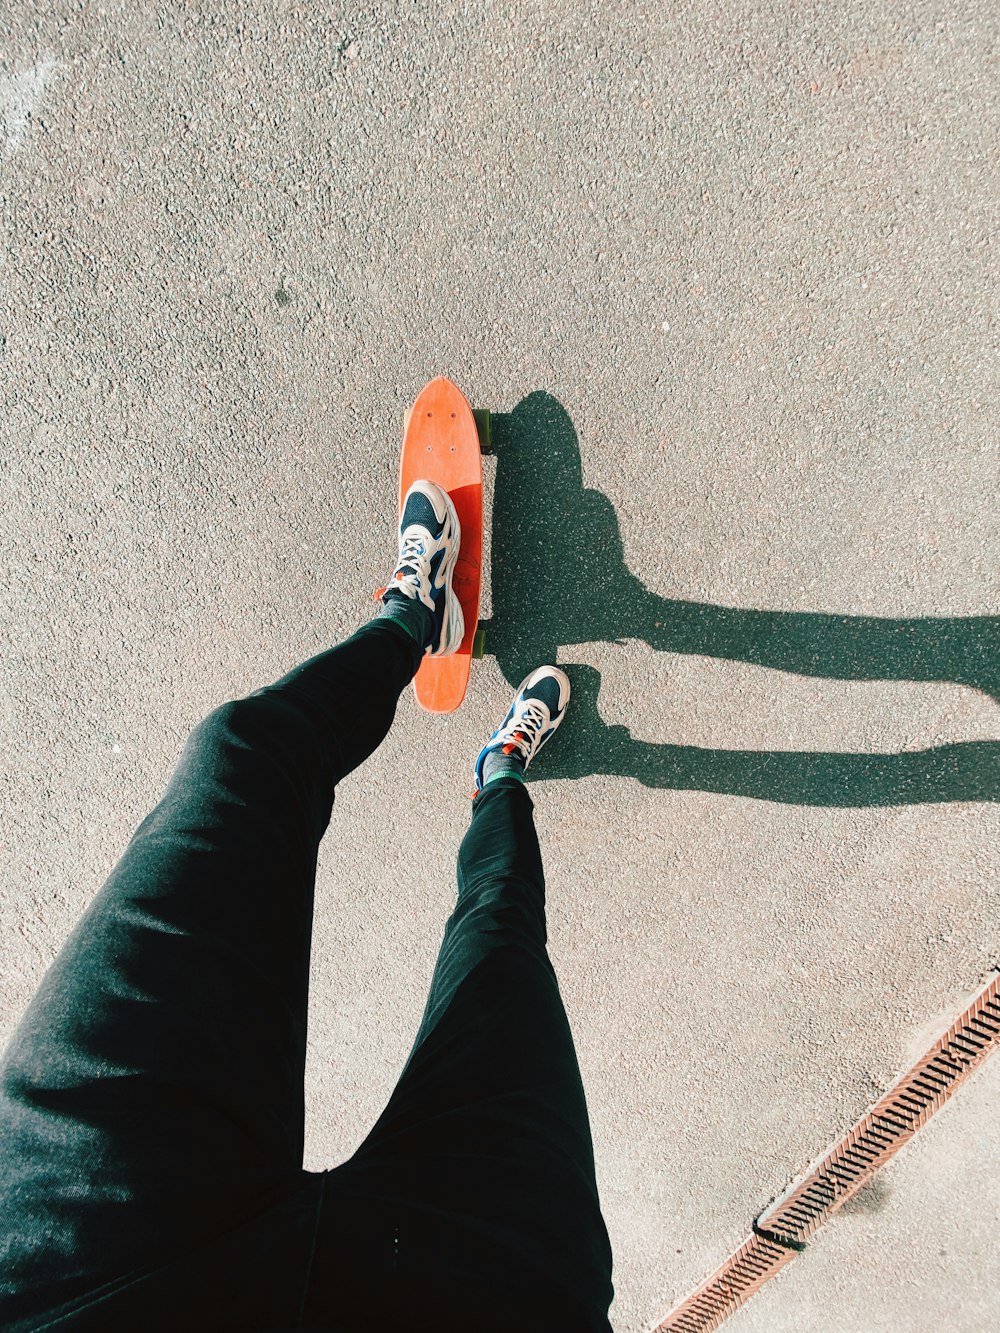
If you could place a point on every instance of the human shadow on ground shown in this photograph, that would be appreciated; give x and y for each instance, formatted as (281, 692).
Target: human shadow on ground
(559, 578)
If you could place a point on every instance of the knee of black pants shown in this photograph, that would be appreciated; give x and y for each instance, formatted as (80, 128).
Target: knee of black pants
(506, 910)
(256, 766)
(269, 724)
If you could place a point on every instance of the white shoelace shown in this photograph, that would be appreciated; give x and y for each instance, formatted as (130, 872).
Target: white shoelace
(529, 723)
(414, 552)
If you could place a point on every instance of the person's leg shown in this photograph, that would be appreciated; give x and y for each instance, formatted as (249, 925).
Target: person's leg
(473, 1201)
(152, 1096)
(151, 1099)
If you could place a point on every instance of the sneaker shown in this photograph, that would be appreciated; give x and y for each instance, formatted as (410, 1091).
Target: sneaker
(538, 708)
(429, 539)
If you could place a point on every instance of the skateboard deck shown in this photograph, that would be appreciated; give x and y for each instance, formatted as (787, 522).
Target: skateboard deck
(442, 442)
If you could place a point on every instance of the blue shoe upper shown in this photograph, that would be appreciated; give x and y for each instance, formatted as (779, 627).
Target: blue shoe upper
(545, 691)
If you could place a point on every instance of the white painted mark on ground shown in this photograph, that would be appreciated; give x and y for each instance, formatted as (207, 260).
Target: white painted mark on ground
(19, 96)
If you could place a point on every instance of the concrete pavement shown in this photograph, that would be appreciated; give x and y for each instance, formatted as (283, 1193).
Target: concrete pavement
(726, 274)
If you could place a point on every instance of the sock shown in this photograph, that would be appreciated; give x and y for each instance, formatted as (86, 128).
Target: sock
(411, 614)
(500, 765)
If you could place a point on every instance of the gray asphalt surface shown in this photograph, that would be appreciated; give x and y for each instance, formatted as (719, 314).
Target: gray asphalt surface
(728, 276)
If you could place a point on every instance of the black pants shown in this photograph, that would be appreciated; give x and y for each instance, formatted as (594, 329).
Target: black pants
(151, 1100)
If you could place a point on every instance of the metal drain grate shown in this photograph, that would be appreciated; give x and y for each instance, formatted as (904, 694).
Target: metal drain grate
(780, 1232)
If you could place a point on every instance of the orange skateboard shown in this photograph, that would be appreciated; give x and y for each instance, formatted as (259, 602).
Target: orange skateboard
(442, 441)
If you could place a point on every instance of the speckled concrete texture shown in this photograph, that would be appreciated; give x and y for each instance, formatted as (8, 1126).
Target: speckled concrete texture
(728, 276)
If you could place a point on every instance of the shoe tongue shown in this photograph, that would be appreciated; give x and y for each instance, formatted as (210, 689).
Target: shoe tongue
(547, 692)
(420, 510)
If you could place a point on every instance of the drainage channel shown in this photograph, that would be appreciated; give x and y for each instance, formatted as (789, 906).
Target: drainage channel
(780, 1232)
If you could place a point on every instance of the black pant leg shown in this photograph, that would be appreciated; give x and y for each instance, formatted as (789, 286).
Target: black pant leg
(153, 1091)
(473, 1201)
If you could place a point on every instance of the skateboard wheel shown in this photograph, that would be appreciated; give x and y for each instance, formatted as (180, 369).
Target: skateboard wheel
(485, 428)
(479, 644)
